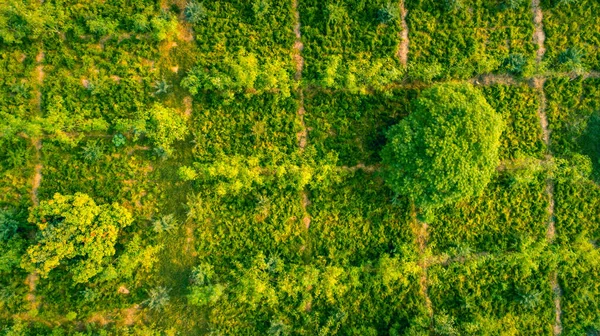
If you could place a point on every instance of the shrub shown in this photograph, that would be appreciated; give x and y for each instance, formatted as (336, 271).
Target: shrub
(165, 223)
(194, 12)
(161, 86)
(388, 13)
(158, 298)
(119, 140)
(515, 63)
(571, 60)
(92, 151)
(446, 150)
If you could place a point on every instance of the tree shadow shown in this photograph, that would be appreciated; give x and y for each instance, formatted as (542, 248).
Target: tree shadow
(590, 144)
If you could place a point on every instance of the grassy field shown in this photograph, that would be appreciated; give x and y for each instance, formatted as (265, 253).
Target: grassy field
(244, 138)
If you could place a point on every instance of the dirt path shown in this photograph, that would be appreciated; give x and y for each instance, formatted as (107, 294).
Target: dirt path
(299, 62)
(33, 277)
(538, 83)
(302, 135)
(538, 34)
(31, 282)
(492, 79)
(404, 42)
(419, 229)
(363, 167)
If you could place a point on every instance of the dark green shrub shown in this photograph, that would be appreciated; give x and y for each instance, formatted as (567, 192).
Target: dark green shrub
(93, 151)
(8, 225)
(119, 140)
(194, 12)
(515, 63)
(388, 13)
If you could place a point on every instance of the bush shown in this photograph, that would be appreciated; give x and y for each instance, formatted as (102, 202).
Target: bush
(194, 12)
(447, 149)
(158, 298)
(388, 13)
(515, 63)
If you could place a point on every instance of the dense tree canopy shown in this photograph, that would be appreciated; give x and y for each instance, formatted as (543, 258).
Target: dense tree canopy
(446, 149)
(75, 231)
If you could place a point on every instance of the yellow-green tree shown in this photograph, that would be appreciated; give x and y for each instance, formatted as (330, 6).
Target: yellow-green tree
(76, 233)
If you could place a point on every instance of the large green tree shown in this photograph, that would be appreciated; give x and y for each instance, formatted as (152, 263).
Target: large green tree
(446, 149)
(76, 232)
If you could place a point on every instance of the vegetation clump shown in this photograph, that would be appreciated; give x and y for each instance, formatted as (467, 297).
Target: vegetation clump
(446, 149)
(75, 232)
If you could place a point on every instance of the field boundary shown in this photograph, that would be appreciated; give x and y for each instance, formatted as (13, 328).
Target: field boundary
(404, 41)
(303, 134)
(538, 83)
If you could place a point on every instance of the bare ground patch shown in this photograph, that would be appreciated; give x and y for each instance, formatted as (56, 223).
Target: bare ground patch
(538, 34)
(404, 41)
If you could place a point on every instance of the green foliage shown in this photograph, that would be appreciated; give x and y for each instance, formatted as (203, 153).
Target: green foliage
(357, 218)
(493, 295)
(281, 238)
(8, 225)
(571, 29)
(165, 224)
(352, 126)
(158, 298)
(573, 118)
(23, 21)
(161, 87)
(163, 25)
(476, 37)
(511, 211)
(194, 12)
(161, 125)
(388, 13)
(515, 63)
(518, 105)
(263, 126)
(580, 292)
(513, 4)
(360, 75)
(446, 149)
(241, 73)
(346, 46)
(92, 151)
(74, 227)
(119, 140)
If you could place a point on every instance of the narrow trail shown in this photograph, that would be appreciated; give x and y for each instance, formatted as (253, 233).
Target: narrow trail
(404, 41)
(538, 34)
(493, 79)
(539, 38)
(302, 136)
(421, 237)
(32, 278)
(363, 167)
(37, 142)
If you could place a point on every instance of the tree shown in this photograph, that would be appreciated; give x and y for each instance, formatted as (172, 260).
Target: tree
(446, 149)
(161, 125)
(76, 232)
